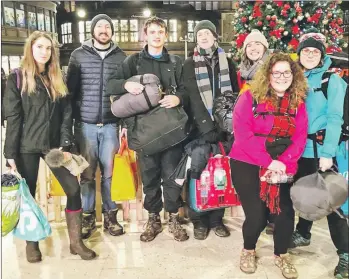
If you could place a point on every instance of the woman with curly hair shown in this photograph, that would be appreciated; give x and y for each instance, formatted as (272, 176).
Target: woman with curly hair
(270, 128)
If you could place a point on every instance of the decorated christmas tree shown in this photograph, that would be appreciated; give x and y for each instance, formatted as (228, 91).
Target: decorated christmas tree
(283, 22)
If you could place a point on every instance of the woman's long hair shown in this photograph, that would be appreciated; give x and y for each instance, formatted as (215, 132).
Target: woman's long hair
(29, 68)
(247, 62)
(262, 90)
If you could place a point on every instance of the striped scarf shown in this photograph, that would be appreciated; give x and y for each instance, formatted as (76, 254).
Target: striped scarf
(202, 77)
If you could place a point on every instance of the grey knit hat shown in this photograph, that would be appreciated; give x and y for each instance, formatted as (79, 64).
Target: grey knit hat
(205, 24)
(98, 18)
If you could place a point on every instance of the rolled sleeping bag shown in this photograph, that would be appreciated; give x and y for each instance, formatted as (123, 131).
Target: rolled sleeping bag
(128, 104)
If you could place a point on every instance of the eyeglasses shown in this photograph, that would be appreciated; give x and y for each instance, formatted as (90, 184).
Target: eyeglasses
(314, 52)
(286, 74)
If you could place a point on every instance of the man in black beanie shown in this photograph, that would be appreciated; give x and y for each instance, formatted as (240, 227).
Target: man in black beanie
(95, 127)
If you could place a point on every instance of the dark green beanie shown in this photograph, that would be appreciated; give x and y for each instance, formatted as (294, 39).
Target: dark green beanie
(205, 24)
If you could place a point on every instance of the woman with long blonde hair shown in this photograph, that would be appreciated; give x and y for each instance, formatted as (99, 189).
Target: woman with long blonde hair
(39, 118)
(270, 129)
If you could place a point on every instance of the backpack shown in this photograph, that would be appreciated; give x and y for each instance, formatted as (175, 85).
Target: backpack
(340, 66)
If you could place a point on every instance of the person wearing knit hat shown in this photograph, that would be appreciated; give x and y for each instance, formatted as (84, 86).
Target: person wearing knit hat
(102, 30)
(254, 53)
(325, 116)
(205, 24)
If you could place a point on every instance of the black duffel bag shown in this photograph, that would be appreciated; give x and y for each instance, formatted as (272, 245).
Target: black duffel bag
(158, 130)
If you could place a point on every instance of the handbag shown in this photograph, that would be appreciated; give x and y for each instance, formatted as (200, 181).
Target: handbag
(214, 189)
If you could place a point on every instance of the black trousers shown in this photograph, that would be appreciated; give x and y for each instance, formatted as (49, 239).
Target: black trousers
(159, 167)
(338, 226)
(247, 184)
(209, 219)
(28, 167)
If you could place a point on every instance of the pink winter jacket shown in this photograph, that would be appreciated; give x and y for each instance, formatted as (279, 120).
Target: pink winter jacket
(251, 149)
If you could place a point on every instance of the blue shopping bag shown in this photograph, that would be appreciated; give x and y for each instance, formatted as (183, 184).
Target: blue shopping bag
(343, 162)
(33, 224)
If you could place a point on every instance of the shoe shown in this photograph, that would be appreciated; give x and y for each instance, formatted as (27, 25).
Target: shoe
(341, 270)
(269, 229)
(77, 247)
(175, 227)
(248, 262)
(221, 231)
(88, 224)
(111, 223)
(153, 227)
(287, 268)
(200, 231)
(33, 252)
(298, 240)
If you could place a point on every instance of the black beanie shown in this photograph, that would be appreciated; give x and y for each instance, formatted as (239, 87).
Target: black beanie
(312, 38)
(98, 18)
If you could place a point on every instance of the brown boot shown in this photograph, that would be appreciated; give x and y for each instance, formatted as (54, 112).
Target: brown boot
(176, 229)
(33, 252)
(153, 228)
(111, 223)
(74, 229)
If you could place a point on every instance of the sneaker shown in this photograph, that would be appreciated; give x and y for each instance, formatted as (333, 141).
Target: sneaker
(88, 224)
(248, 262)
(298, 240)
(341, 270)
(221, 231)
(153, 228)
(175, 227)
(111, 223)
(287, 268)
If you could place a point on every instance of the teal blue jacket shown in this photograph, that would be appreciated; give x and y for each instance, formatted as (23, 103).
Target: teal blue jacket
(324, 113)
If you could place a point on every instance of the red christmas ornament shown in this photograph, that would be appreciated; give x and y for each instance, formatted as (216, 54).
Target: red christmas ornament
(278, 3)
(284, 13)
(340, 21)
(274, 17)
(272, 24)
(310, 19)
(295, 29)
(268, 17)
(243, 19)
(281, 29)
(299, 10)
(259, 23)
(329, 15)
(287, 6)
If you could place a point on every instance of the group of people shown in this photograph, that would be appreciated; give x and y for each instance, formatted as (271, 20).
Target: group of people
(272, 118)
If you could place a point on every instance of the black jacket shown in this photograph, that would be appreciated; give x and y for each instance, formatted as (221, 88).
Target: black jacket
(35, 124)
(197, 111)
(87, 77)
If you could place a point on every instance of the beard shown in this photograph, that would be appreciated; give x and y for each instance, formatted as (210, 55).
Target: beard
(102, 42)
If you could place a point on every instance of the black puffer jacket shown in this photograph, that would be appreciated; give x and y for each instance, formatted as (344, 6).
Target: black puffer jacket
(87, 77)
(197, 111)
(35, 124)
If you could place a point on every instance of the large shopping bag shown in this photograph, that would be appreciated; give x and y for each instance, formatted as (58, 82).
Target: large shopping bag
(56, 189)
(32, 225)
(343, 167)
(214, 189)
(10, 199)
(125, 179)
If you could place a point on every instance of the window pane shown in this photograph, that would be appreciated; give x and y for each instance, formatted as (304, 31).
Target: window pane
(215, 6)
(88, 26)
(124, 24)
(173, 36)
(124, 37)
(48, 23)
(173, 25)
(53, 22)
(116, 37)
(116, 25)
(198, 5)
(133, 25)
(82, 37)
(134, 37)
(63, 29)
(190, 25)
(31, 17)
(81, 27)
(190, 37)
(208, 5)
(14, 62)
(69, 28)
(41, 25)
(88, 36)
(20, 18)
(70, 39)
(9, 14)
(4, 64)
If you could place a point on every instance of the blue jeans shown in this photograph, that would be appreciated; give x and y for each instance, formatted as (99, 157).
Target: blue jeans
(98, 144)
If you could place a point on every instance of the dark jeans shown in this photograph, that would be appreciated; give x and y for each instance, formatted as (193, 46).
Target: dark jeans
(338, 226)
(159, 167)
(28, 167)
(209, 219)
(247, 184)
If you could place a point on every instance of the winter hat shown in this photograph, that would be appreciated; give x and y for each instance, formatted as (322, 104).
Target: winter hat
(205, 24)
(98, 18)
(255, 36)
(312, 38)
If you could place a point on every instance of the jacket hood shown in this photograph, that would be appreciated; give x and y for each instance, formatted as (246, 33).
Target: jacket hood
(164, 58)
(324, 68)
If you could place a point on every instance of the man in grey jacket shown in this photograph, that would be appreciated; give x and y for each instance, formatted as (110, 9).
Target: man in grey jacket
(95, 128)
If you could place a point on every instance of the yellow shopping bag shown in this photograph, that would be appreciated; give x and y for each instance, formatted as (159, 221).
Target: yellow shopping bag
(125, 176)
(56, 188)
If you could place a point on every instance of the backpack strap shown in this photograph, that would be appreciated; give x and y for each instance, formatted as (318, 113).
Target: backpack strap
(18, 77)
(324, 83)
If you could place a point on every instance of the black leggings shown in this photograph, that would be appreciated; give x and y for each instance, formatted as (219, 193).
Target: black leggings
(247, 184)
(28, 167)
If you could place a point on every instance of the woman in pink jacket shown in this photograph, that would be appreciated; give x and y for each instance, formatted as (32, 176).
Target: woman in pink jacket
(270, 129)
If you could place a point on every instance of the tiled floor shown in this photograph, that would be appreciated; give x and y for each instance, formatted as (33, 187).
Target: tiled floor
(125, 257)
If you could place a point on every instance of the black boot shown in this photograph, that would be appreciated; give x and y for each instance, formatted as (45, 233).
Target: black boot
(88, 224)
(33, 252)
(221, 230)
(153, 227)
(111, 223)
(200, 231)
(174, 227)
(74, 229)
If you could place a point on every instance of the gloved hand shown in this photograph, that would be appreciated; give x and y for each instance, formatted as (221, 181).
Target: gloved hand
(325, 163)
(277, 166)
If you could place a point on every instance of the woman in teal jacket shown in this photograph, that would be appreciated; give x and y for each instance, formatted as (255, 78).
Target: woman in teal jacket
(325, 117)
